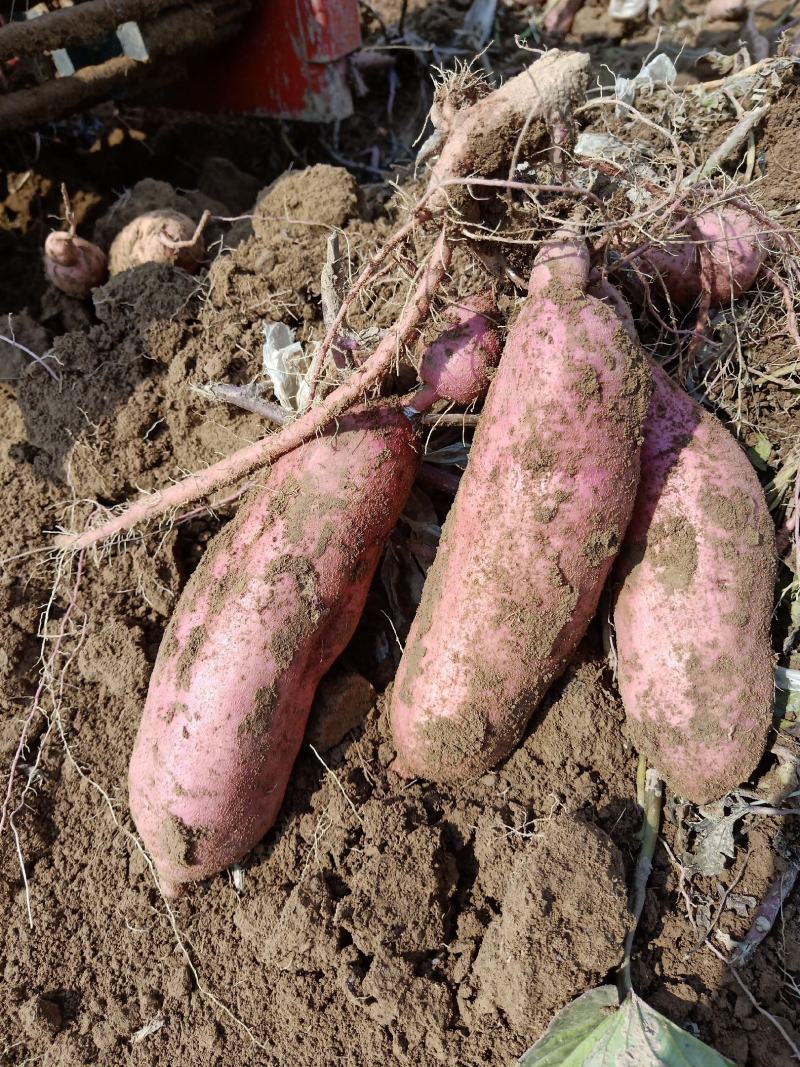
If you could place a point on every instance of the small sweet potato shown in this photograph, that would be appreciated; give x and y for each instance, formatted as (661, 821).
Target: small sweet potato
(270, 607)
(693, 610)
(537, 521)
(73, 265)
(162, 236)
(457, 366)
(734, 255)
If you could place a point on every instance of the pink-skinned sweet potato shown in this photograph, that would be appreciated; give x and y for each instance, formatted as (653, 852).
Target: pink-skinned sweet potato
(458, 364)
(692, 614)
(734, 255)
(537, 521)
(273, 602)
(73, 264)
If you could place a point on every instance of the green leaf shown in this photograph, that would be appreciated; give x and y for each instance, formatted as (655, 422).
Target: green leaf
(589, 1032)
(568, 1029)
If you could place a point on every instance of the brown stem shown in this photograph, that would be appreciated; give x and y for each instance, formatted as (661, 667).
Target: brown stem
(69, 214)
(242, 396)
(416, 217)
(432, 419)
(788, 303)
(316, 418)
(698, 333)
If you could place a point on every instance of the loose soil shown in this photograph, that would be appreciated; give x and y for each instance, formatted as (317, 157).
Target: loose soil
(380, 921)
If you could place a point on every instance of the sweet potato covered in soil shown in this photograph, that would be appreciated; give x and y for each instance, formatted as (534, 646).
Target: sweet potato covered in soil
(458, 364)
(272, 604)
(692, 614)
(160, 236)
(536, 523)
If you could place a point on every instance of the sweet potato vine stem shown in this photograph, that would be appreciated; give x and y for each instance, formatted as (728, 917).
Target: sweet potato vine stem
(416, 217)
(651, 806)
(268, 449)
(316, 418)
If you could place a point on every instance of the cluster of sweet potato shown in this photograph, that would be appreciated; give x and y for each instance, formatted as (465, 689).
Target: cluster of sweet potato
(589, 466)
(76, 266)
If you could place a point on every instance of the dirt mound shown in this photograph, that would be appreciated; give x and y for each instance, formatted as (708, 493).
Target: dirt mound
(380, 922)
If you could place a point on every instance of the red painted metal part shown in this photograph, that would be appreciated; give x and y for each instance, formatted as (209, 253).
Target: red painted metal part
(288, 62)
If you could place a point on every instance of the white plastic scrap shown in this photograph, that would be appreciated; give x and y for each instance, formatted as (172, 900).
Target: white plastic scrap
(237, 877)
(286, 364)
(152, 1027)
(604, 146)
(660, 70)
(787, 679)
(601, 146)
(631, 9)
(478, 22)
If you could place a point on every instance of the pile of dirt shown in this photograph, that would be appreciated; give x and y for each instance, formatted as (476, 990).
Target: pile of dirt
(377, 922)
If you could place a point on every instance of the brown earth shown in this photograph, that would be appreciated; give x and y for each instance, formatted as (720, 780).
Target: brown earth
(380, 921)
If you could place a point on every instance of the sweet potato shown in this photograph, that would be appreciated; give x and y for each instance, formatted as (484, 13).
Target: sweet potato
(73, 265)
(457, 366)
(536, 523)
(270, 607)
(734, 256)
(162, 236)
(692, 614)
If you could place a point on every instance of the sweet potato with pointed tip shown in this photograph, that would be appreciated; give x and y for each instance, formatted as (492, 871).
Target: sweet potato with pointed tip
(537, 521)
(271, 605)
(692, 615)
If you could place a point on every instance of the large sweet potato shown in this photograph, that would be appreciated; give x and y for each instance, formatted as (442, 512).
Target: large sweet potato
(271, 605)
(692, 615)
(538, 518)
